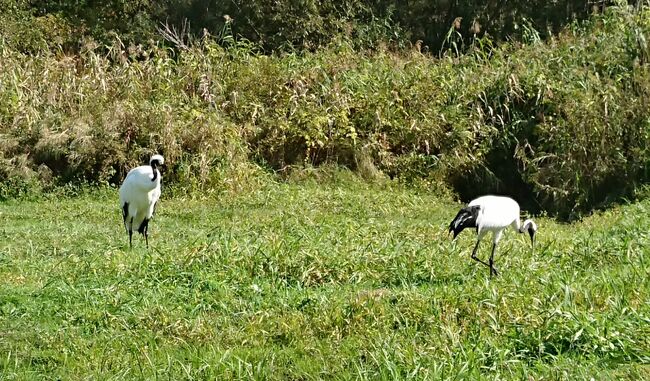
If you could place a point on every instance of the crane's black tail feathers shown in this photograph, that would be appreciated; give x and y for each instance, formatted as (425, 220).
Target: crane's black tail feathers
(125, 214)
(466, 218)
(143, 226)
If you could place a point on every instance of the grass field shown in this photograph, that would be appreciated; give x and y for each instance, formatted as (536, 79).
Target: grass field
(307, 281)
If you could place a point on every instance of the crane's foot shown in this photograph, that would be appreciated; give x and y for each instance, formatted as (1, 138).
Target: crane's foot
(477, 259)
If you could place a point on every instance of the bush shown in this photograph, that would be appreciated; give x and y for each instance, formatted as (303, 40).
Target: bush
(563, 124)
(569, 119)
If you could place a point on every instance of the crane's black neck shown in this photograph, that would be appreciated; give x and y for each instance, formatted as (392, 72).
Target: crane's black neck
(154, 165)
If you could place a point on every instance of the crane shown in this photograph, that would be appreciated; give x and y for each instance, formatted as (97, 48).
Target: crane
(491, 214)
(139, 194)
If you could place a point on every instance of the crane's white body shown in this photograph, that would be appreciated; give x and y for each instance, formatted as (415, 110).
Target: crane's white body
(491, 214)
(496, 214)
(139, 194)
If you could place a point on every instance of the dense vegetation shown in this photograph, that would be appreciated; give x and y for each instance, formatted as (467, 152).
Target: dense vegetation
(282, 24)
(562, 122)
(313, 281)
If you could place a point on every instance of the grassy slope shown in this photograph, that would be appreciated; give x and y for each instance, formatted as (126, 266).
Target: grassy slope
(306, 281)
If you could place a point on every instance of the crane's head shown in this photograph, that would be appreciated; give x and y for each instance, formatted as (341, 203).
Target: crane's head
(531, 228)
(466, 218)
(156, 160)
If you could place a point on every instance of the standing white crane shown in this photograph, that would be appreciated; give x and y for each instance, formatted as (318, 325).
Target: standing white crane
(491, 214)
(138, 196)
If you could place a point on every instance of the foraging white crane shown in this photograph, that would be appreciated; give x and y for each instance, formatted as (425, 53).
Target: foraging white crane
(491, 214)
(138, 196)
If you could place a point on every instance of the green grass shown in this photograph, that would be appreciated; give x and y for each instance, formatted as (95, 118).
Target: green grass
(308, 281)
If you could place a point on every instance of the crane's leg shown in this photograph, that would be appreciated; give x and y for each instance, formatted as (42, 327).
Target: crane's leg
(131, 234)
(474, 257)
(493, 270)
(146, 234)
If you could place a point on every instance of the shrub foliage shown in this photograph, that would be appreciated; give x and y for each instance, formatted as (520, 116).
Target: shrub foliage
(563, 123)
(284, 24)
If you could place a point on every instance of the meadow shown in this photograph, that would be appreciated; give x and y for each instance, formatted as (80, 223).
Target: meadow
(302, 231)
(308, 280)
